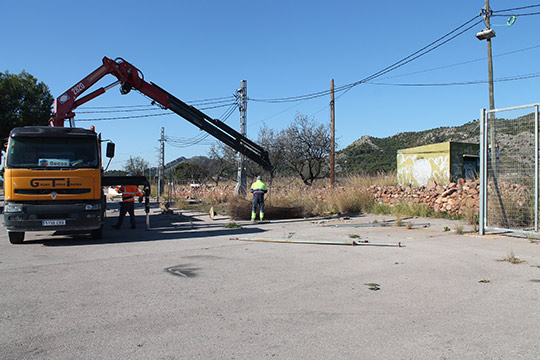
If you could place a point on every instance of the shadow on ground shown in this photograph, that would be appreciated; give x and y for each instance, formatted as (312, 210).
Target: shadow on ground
(162, 227)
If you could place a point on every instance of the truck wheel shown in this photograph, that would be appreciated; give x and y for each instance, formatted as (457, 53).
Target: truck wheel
(16, 237)
(97, 234)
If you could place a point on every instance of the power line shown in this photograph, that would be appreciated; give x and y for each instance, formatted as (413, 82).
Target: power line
(473, 82)
(518, 8)
(518, 15)
(410, 58)
(125, 117)
(423, 51)
(461, 63)
(210, 101)
(145, 115)
(179, 142)
(115, 107)
(116, 111)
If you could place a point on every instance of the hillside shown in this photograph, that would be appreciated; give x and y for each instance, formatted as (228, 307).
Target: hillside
(369, 155)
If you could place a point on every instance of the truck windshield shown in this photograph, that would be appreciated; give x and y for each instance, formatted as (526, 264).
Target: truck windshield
(52, 153)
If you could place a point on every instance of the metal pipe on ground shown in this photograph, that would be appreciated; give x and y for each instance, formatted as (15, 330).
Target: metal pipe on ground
(322, 242)
(378, 224)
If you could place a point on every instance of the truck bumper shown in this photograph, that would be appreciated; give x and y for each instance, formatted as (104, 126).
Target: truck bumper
(54, 217)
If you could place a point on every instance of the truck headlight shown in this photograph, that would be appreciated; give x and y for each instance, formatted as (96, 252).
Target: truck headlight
(89, 207)
(13, 208)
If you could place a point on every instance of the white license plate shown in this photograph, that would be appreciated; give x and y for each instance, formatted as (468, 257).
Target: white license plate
(54, 222)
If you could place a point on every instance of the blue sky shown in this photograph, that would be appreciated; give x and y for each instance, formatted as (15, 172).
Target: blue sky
(203, 49)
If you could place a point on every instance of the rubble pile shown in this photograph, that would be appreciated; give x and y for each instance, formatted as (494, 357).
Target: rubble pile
(454, 198)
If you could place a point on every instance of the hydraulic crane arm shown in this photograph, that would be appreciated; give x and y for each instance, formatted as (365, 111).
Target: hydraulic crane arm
(131, 78)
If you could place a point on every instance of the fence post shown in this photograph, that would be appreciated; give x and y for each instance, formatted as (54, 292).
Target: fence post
(536, 168)
(483, 158)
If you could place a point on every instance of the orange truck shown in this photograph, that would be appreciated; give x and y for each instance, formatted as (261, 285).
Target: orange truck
(53, 174)
(53, 181)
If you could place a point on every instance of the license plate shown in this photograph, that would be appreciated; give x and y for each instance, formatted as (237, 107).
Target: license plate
(54, 222)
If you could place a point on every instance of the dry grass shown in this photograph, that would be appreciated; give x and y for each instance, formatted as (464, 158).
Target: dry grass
(290, 198)
(240, 209)
(512, 258)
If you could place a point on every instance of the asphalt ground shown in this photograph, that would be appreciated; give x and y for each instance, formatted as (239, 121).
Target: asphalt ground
(185, 290)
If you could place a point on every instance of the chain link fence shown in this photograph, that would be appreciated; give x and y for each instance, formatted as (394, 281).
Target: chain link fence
(509, 169)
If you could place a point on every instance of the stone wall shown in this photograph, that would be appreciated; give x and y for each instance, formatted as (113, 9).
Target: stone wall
(454, 198)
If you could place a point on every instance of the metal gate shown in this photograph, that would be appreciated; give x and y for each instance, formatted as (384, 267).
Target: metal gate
(509, 169)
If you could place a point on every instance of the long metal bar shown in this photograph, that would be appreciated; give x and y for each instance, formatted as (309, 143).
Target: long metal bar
(321, 242)
(483, 169)
(298, 241)
(536, 168)
(531, 232)
(378, 224)
(513, 108)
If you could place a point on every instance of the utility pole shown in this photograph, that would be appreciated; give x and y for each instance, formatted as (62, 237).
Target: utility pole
(487, 34)
(333, 131)
(490, 58)
(241, 186)
(161, 166)
(494, 154)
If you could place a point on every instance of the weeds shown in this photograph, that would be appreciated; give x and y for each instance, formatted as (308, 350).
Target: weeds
(459, 229)
(408, 209)
(532, 239)
(409, 225)
(354, 236)
(512, 258)
(290, 198)
(470, 215)
(373, 286)
(233, 225)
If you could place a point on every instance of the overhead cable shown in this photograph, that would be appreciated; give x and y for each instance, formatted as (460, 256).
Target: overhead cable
(179, 142)
(125, 117)
(517, 15)
(473, 82)
(426, 49)
(145, 115)
(518, 8)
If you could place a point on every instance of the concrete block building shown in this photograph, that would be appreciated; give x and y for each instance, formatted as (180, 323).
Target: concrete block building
(443, 162)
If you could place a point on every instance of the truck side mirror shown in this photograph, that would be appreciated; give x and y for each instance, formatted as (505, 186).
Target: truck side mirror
(110, 150)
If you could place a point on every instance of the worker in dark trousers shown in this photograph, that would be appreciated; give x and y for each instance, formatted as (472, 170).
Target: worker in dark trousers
(128, 204)
(258, 189)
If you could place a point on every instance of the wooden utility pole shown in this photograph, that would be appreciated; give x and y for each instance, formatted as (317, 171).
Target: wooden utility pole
(333, 133)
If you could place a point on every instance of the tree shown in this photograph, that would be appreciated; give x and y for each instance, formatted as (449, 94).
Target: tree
(115, 173)
(305, 147)
(23, 102)
(136, 166)
(223, 164)
(269, 140)
(192, 172)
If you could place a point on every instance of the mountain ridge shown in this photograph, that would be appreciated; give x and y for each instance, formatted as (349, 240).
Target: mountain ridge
(371, 155)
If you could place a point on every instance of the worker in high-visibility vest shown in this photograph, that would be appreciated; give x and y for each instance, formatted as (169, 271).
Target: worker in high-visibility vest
(258, 189)
(129, 192)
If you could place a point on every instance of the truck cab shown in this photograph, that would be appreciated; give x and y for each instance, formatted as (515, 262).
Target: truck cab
(53, 181)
